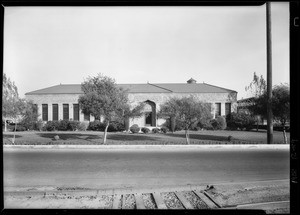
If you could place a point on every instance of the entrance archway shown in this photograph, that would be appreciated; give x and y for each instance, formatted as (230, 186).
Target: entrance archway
(150, 113)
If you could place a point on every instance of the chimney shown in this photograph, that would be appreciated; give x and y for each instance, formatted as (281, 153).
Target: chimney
(191, 81)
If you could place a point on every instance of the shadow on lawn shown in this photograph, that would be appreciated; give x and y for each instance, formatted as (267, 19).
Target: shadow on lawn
(131, 137)
(89, 137)
(70, 136)
(201, 137)
(10, 136)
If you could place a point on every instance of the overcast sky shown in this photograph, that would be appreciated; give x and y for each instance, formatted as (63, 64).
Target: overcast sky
(223, 46)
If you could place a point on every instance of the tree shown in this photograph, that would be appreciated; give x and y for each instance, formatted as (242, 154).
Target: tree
(30, 115)
(281, 105)
(102, 97)
(257, 88)
(132, 113)
(187, 110)
(10, 99)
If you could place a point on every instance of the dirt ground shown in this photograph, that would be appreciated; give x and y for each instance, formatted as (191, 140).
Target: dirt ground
(224, 195)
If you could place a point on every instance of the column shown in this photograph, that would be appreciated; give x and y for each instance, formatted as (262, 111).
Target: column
(222, 108)
(71, 110)
(60, 111)
(50, 112)
(40, 113)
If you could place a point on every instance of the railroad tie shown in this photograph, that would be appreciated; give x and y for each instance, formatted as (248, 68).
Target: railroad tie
(116, 201)
(139, 201)
(159, 201)
(184, 201)
(207, 201)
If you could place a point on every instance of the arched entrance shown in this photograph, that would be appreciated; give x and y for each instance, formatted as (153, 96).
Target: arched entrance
(150, 113)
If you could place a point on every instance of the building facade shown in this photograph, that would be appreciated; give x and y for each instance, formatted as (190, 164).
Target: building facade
(61, 101)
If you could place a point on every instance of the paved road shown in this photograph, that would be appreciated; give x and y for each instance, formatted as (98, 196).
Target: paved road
(140, 168)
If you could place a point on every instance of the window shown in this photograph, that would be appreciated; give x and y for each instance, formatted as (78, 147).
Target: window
(86, 117)
(45, 112)
(66, 111)
(149, 118)
(218, 109)
(227, 108)
(54, 112)
(76, 112)
(35, 109)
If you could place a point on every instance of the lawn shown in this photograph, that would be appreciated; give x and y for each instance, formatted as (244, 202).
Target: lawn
(120, 138)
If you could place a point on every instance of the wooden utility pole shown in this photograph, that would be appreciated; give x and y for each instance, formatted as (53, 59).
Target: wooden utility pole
(269, 76)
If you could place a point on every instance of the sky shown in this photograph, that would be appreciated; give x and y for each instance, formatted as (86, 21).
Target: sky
(222, 46)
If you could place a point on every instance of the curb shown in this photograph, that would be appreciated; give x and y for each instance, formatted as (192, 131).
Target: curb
(265, 205)
(154, 147)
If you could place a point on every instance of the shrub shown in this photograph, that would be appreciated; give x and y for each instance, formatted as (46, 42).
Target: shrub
(164, 129)
(240, 121)
(145, 130)
(63, 125)
(155, 130)
(38, 126)
(135, 128)
(219, 123)
(116, 126)
(19, 128)
(96, 126)
(83, 126)
(73, 125)
(51, 126)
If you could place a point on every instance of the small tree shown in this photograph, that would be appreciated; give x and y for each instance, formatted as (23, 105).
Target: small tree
(30, 114)
(102, 97)
(132, 113)
(257, 89)
(281, 105)
(187, 110)
(10, 99)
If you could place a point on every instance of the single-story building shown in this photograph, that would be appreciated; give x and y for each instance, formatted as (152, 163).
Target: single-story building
(61, 101)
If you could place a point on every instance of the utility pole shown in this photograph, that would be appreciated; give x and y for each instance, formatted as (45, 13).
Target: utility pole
(269, 77)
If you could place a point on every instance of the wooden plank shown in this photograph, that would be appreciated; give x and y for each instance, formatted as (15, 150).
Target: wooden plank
(116, 201)
(159, 201)
(184, 201)
(209, 203)
(139, 201)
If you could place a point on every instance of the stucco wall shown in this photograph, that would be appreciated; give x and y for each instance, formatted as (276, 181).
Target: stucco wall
(134, 98)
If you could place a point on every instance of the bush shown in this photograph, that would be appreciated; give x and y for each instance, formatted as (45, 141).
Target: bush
(83, 126)
(242, 121)
(73, 125)
(135, 128)
(51, 126)
(116, 126)
(219, 123)
(164, 130)
(19, 128)
(63, 125)
(96, 126)
(145, 130)
(155, 130)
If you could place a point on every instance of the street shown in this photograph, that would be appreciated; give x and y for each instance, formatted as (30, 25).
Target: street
(140, 168)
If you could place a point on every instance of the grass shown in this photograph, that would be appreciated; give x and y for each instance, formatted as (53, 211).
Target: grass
(120, 138)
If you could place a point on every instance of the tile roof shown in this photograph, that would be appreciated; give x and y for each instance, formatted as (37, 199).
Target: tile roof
(139, 88)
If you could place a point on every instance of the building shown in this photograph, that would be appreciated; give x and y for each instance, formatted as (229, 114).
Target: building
(61, 101)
